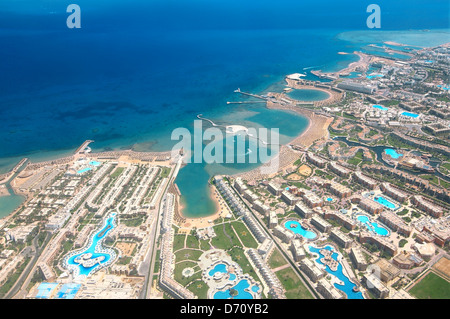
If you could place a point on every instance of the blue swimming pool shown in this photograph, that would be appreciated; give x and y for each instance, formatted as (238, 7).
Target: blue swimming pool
(240, 287)
(372, 226)
(347, 288)
(93, 252)
(329, 199)
(414, 115)
(383, 201)
(84, 170)
(295, 227)
(380, 107)
(94, 163)
(255, 288)
(371, 76)
(218, 268)
(392, 153)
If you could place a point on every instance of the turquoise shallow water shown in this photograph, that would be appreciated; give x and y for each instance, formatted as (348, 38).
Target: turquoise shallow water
(9, 203)
(308, 95)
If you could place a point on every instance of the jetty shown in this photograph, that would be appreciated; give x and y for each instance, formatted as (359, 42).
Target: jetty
(83, 146)
(246, 102)
(250, 94)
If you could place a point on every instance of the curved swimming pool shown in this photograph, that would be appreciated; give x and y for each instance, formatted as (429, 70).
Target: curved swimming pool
(372, 226)
(348, 286)
(84, 261)
(297, 228)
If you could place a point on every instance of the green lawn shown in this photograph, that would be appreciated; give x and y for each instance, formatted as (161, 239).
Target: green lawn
(245, 235)
(178, 242)
(276, 259)
(225, 237)
(293, 285)
(179, 269)
(187, 254)
(431, 286)
(199, 288)
(117, 172)
(192, 242)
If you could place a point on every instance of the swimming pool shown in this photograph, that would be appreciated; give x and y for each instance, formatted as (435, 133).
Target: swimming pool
(295, 227)
(371, 76)
(84, 170)
(372, 226)
(218, 268)
(94, 163)
(94, 256)
(392, 153)
(409, 114)
(347, 288)
(380, 107)
(329, 199)
(383, 201)
(241, 288)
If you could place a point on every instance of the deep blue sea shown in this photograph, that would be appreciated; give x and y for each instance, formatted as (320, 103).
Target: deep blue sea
(136, 70)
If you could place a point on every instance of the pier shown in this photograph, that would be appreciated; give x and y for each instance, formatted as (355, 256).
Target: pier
(246, 102)
(250, 94)
(83, 146)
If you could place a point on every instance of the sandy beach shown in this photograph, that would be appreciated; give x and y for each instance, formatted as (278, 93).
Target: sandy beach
(202, 222)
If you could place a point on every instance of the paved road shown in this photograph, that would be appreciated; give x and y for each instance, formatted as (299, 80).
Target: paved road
(18, 291)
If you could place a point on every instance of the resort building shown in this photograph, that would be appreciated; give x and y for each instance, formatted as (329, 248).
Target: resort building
(261, 208)
(327, 290)
(303, 210)
(250, 196)
(340, 190)
(312, 200)
(394, 192)
(298, 252)
(321, 224)
(342, 219)
(388, 271)
(381, 243)
(339, 170)
(407, 260)
(370, 206)
(274, 188)
(271, 280)
(240, 185)
(427, 206)
(394, 222)
(255, 228)
(311, 270)
(289, 198)
(364, 180)
(341, 238)
(266, 247)
(57, 220)
(358, 259)
(357, 87)
(273, 220)
(285, 235)
(19, 234)
(375, 286)
(316, 160)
